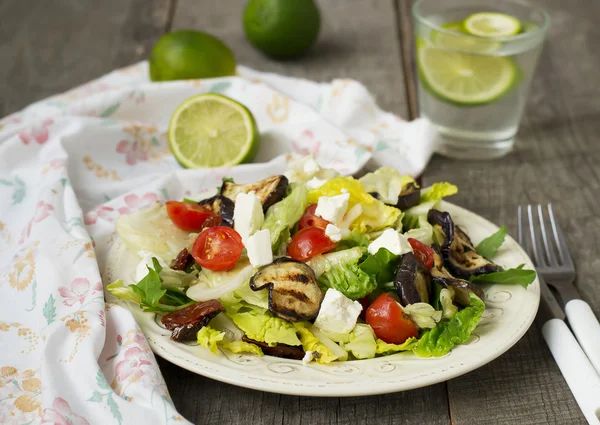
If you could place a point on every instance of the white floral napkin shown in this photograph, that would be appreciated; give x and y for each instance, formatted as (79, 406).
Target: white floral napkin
(70, 164)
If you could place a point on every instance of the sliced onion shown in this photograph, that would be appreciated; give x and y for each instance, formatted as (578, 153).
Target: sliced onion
(328, 342)
(214, 285)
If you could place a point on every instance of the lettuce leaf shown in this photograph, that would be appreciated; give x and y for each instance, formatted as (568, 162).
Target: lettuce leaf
(242, 347)
(516, 276)
(355, 239)
(438, 191)
(324, 349)
(387, 182)
(208, 338)
(361, 342)
(385, 348)
(441, 339)
(447, 303)
(422, 231)
(264, 327)
(350, 280)
(487, 248)
(283, 215)
(375, 214)
(325, 262)
(122, 292)
(412, 215)
(381, 266)
(423, 315)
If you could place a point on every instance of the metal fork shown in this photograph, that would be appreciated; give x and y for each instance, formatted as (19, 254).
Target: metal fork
(553, 262)
(551, 255)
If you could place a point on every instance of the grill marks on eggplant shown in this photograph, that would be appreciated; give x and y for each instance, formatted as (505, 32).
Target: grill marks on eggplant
(440, 275)
(270, 190)
(412, 281)
(185, 323)
(294, 294)
(457, 250)
(221, 206)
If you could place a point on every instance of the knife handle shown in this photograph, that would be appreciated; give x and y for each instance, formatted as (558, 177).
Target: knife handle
(582, 378)
(586, 329)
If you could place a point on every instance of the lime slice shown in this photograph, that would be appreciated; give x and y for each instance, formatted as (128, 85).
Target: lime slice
(456, 39)
(466, 79)
(491, 24)
(211, 130)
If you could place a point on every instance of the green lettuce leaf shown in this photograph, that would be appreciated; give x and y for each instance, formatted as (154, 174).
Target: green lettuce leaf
(150, 287)
(375, 214)
(441, 339)
(385, 348)
(516, 276)
(355, 239)
(263, 327)
(350, 280)
(361, 342)
(283, 215)
(412, 215)
(487, 248)
(122, 292)
(380, 266)
(422, 231)
(242, 347)
(387, 182)
(438, 191)
(208, 338)
(449, 309)
(323, 263)
(324, 349)
(423, 315)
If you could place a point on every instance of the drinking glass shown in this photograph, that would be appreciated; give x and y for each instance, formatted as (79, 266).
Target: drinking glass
(473, 88)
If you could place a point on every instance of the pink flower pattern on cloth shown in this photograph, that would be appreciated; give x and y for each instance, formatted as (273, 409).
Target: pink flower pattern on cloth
(72, 164)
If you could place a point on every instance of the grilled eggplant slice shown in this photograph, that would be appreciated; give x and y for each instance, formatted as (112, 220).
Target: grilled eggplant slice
(409, 196)
(221, 206)
(280, 350)
(412, 281)
(185, 323)
(294, 294)
(458, 252)
(269, 190)
(440, 275)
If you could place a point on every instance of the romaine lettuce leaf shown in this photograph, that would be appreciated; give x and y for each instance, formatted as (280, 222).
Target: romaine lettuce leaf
(354, 239)
(441, 339)
(264, 327)
(350, 280)
(323, 348)
(208, 337)
(361, 342)
(375, 214)
(423, 231)
(122, 292)
(487, 248)
(242, 347)
(412, 215)
(325, 262)
(438, 191)
(284, 214)
(385, 348)
(387, 182)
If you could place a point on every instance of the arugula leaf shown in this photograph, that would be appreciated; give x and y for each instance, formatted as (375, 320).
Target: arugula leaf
(516, 276)
(487, 248)
(381, 266)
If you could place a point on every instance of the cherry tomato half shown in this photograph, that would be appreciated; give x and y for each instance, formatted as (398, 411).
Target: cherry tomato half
(309, 242)
(218, 248)
(389, 322)
(310, 219)
(187, 216)
(423, 253)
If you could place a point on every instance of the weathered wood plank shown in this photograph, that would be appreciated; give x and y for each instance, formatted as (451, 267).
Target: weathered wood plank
(49, 47)
(557, 159)
(358, 40)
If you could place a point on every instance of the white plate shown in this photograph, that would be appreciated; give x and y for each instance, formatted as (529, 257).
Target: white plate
(510, 310)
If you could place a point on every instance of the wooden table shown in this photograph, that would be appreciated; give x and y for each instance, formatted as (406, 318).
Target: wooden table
(48, 47)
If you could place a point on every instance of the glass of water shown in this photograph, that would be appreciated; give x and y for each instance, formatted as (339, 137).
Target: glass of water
(475, 61)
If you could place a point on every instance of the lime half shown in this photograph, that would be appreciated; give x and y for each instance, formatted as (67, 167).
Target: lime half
(465, 79)
(491, 24)
(211, 130)
(455, 38)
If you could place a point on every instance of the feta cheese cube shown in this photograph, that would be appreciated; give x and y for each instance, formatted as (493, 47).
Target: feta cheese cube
(248, 216)
(391, 240)
(338, 313)
(259, 248)
(333, 208)
(315, 183)
(142, 269)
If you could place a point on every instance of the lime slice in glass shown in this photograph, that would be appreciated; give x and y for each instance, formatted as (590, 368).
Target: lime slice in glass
(491, 24)
(465, 79)
(211, 130)
(455, 38)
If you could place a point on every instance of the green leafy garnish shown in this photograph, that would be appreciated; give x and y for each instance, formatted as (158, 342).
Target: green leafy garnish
(350, 280)
(381, 266)
(487, 248)
(150, 287)
(516, 276)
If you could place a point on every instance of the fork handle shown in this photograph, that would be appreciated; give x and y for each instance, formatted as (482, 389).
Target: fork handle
(575, 367)
(586, 329)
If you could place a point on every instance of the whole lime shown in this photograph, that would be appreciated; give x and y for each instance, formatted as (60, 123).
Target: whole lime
(282, 28)
(182, 55)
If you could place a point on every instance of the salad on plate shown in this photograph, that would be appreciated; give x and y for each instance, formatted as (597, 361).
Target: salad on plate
(313, 266)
